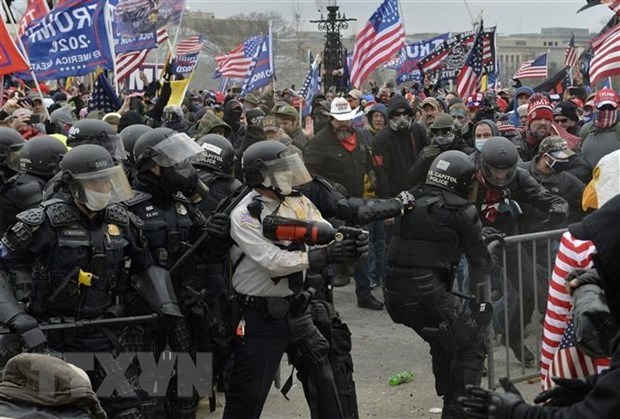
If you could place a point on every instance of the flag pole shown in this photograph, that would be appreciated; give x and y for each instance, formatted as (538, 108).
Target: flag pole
(25, 54)
(176, 34)
(108, 17)
(271, 63)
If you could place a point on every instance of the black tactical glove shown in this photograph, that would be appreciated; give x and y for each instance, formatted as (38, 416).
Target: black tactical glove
(28, 329)
(361, 245)
(218, 225)
(558, 218)
(490, 234)
(335, 252)
(487, 404)
(566, 392)
(407, 200)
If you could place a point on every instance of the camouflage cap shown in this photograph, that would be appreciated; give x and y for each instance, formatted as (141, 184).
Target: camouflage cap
(443, 120)
(556, 147)
(285, 111)
(269, 123)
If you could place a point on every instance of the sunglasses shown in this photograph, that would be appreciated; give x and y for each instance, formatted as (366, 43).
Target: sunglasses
(561, 120)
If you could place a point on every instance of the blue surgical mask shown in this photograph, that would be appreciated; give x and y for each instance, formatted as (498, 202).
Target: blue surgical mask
(480, 142)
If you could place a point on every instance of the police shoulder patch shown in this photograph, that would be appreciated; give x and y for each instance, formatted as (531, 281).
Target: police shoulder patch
(137, 198)
(135, 220)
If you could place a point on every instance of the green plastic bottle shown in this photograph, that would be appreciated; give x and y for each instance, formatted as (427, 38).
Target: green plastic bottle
(401, 378)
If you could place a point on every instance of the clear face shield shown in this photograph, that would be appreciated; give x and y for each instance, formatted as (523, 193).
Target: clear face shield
(97, 190)
(286, 173)
(13, 157)
(176, 149)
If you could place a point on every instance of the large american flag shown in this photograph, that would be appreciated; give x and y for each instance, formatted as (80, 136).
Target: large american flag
(236, 63)
(103, 97)
(130, 61)
(378, 41)
(191, 45)
(471, 73)
(570, 56)
(606, 60)
(436, 60)
(536, 67)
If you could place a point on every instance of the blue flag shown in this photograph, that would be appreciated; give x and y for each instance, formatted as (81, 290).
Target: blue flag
(73, 40)
(261, 71)
(310, 87)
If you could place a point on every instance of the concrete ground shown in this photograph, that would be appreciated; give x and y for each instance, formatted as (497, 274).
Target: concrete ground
(380, 349)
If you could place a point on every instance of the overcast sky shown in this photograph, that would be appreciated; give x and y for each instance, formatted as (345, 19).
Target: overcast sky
(511, 16)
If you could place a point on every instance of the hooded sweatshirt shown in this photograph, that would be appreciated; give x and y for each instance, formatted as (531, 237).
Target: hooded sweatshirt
(210, 121)
(395, 152)
(514, 115)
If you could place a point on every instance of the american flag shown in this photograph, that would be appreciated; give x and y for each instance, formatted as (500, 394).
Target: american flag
(378, 41)
(471, 73)
(130, 61)
(190, 45)
(103, 97)
(436, 60)
(606, 60)
(235, 64)
(570, 57)
(311, 86)
(536, 67)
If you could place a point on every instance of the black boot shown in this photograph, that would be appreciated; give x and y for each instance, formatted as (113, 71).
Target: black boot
(370, 302)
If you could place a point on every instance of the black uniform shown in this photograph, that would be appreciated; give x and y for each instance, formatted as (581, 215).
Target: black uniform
(427, 244)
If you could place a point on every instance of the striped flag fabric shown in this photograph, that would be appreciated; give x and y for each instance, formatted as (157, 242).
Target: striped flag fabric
(103, 97)
(471, 73)
(190, 45)
(615, 6)
(536, 67)
(378, 41)
(129, 62)
(570, 56)
(236, 63)
(606, 60)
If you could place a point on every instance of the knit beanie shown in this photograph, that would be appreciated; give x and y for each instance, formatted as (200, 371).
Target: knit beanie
(539, 107)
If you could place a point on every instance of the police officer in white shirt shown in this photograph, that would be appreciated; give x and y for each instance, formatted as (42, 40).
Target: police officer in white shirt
(268, 279)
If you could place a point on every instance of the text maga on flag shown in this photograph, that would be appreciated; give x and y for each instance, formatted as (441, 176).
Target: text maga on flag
(73, 40)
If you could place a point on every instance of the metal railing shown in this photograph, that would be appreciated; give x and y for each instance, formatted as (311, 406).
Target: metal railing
(526, 264)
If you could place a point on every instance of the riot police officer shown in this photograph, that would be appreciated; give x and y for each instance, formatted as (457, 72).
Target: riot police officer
(215, 169)
(10, 141)
(37, 161)
(426, 246)
(70, 260)
(166, 188)
(268, 279)
(129, 136)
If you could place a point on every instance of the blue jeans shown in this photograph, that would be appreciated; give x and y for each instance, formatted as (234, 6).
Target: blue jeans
(376, 251)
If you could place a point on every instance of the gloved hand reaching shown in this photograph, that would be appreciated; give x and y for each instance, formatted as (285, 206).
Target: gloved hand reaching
(218, 225)
(487, 404)
(27, 327)
(336, 252)
(490, 234)
(565, 393)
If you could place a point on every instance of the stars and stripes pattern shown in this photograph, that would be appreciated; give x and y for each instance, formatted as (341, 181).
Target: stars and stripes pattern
(310, 87)
(606, 60)
(129, 62)
(103, 97)
(471, 73)
(570, 56)
(536, 67)
(556, 357)
(190, 45)
(436, 60)
(236, 63)
(378, 41)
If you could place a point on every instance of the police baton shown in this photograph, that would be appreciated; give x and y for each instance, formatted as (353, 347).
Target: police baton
(79, 324)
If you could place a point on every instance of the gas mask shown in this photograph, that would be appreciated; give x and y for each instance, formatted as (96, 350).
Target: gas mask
(444, 140)
(399, 123)
(180, 177)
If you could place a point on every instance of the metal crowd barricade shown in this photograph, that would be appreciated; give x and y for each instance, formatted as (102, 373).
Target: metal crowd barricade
(534, 253)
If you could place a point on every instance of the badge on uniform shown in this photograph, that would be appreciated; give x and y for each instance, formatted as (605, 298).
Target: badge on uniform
(113, 230)
(181, 210)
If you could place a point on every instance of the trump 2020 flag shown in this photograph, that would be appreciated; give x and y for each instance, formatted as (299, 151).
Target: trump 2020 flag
(261, 71)
(11, 60)
(73, 40)
(310, 87)
(378, 41)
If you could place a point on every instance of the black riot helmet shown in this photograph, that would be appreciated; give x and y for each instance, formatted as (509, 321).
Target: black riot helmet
(164, 147)
(218, 155)
(94, 178)
(130, 135)
(40, 156)
(94, 131)
(452, 170)
(10, 142)
(268, 164)
(498, 161)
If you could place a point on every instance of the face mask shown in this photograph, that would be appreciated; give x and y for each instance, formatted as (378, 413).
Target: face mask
(97, 200)
(181, 177)
(480, 142)
(284, 182)
(558, 165)
(399, 123)
(606, 118)
(443, 141)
